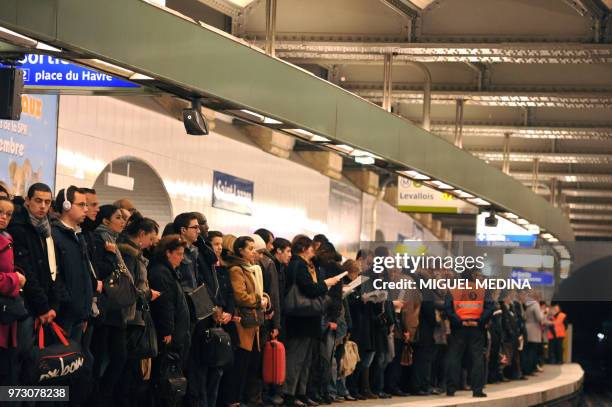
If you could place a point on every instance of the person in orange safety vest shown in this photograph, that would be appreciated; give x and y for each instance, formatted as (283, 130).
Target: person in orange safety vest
(556, 335)
(468, 311)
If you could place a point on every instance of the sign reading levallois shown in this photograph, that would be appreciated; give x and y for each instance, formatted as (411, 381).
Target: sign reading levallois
(44, 71)
(28, 146)
(232, 193)
(413, 196)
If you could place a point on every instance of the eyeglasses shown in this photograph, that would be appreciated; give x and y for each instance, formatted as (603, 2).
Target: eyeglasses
(83, 205)
(7, 214)
(193, 227)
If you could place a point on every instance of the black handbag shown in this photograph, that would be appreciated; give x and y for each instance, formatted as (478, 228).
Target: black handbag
(200, 304)
(299, 305)
(251, 317)
(142, 340)
(172, 385)
(216, 348)
(119, 288)
(12, 309)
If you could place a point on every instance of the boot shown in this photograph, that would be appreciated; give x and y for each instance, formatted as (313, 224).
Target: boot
(365, 384)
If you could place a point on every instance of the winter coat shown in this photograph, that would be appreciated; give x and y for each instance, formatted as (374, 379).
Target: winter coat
(270, 276)
(333, 308)
(170, 311)
(533, 321)
(9, 287)
(245, 296)
(40, 292)
(74, 272)
(137, 264)
(361, 320)
(297, 272)
(188, 270)
(105, 263)
(510, 325)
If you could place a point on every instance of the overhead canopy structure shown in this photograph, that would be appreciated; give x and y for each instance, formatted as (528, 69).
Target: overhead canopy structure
(192, 60)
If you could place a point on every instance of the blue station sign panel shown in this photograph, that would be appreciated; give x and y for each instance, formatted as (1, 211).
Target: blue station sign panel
(232, 193)
(534, 277)
(50, 72)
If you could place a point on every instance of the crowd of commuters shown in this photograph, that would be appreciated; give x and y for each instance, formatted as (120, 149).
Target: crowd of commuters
(61, 256)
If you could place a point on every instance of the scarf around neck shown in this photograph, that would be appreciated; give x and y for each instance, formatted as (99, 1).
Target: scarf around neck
(42, 226)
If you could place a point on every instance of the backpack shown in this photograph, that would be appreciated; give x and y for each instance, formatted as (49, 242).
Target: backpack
(349, 359)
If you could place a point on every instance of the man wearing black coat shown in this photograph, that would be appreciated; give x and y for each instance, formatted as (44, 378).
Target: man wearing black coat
(74, 268)
(31, 234)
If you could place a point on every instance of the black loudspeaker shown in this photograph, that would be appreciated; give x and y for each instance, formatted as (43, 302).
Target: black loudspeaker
(491, 220)
(11, 87)
(195, 123)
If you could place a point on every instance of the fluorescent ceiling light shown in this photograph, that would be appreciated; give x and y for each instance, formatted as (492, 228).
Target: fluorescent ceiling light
(547, 236)
(15, 37)
(479, 202)
(522, 222)
(106, 66)
(241, 3)
(365, 160)
(510, 215)
(462, 194)
(415, 175)
(47, 47)
(362, 153)
(261, 117)
(440, 185)
(309, 135)
(553, 240)
(346, 149)
(141, 77)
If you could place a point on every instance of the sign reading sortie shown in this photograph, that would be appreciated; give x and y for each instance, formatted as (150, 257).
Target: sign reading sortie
(44, 71)
(232, 193)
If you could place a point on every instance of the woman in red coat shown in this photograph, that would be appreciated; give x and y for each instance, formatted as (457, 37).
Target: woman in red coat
(10, 284)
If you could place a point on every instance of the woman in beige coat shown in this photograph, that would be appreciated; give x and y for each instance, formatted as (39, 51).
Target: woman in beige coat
(248, 302)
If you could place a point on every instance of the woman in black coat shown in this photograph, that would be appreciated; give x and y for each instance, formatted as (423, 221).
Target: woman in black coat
(109, 342)
(170, 311)
(302, 332)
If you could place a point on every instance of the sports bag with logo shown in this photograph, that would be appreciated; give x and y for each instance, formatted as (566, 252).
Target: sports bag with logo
(59, 364)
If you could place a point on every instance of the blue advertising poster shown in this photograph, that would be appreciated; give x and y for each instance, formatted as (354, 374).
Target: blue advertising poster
(232, 193)
(534, 277)
(48, 71)
(28, 147)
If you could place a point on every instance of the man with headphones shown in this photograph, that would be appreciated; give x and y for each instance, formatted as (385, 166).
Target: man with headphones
(74, 268)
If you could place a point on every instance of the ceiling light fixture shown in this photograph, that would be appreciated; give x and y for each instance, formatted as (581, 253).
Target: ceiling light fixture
(415, 175)
(463, 194)
(365, 160)
(440, 185)
(479, 202)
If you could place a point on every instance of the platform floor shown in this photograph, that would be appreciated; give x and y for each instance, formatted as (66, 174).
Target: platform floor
(554, 383)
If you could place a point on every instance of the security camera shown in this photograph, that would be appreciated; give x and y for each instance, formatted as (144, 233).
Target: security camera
(491, 220)
(194, 121)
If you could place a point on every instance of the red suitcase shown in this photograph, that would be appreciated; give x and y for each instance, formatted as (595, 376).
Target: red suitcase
(274, 363)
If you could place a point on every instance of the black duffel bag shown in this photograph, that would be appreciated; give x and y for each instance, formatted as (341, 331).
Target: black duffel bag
(172, 385)
(59, 364)
(216, 348)
(142, 340)
(119, 291)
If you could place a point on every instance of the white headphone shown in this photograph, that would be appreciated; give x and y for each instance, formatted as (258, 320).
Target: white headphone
(66, 205)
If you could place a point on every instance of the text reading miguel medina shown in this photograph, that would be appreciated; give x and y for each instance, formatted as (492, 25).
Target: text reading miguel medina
(457, 263)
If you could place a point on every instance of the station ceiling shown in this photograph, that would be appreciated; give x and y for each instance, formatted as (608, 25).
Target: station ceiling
(538, 70)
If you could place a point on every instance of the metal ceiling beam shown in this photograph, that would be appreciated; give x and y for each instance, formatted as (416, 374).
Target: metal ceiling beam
(555, 158)
(591, 233)
(579, 192)
(564, 177)
(532, 132)
(591, 226)
(577, 100)
(589, 207)
(592, 217)
(520, 53)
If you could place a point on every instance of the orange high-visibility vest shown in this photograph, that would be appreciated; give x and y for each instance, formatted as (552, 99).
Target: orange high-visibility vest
(560, 325)
(469, 304)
